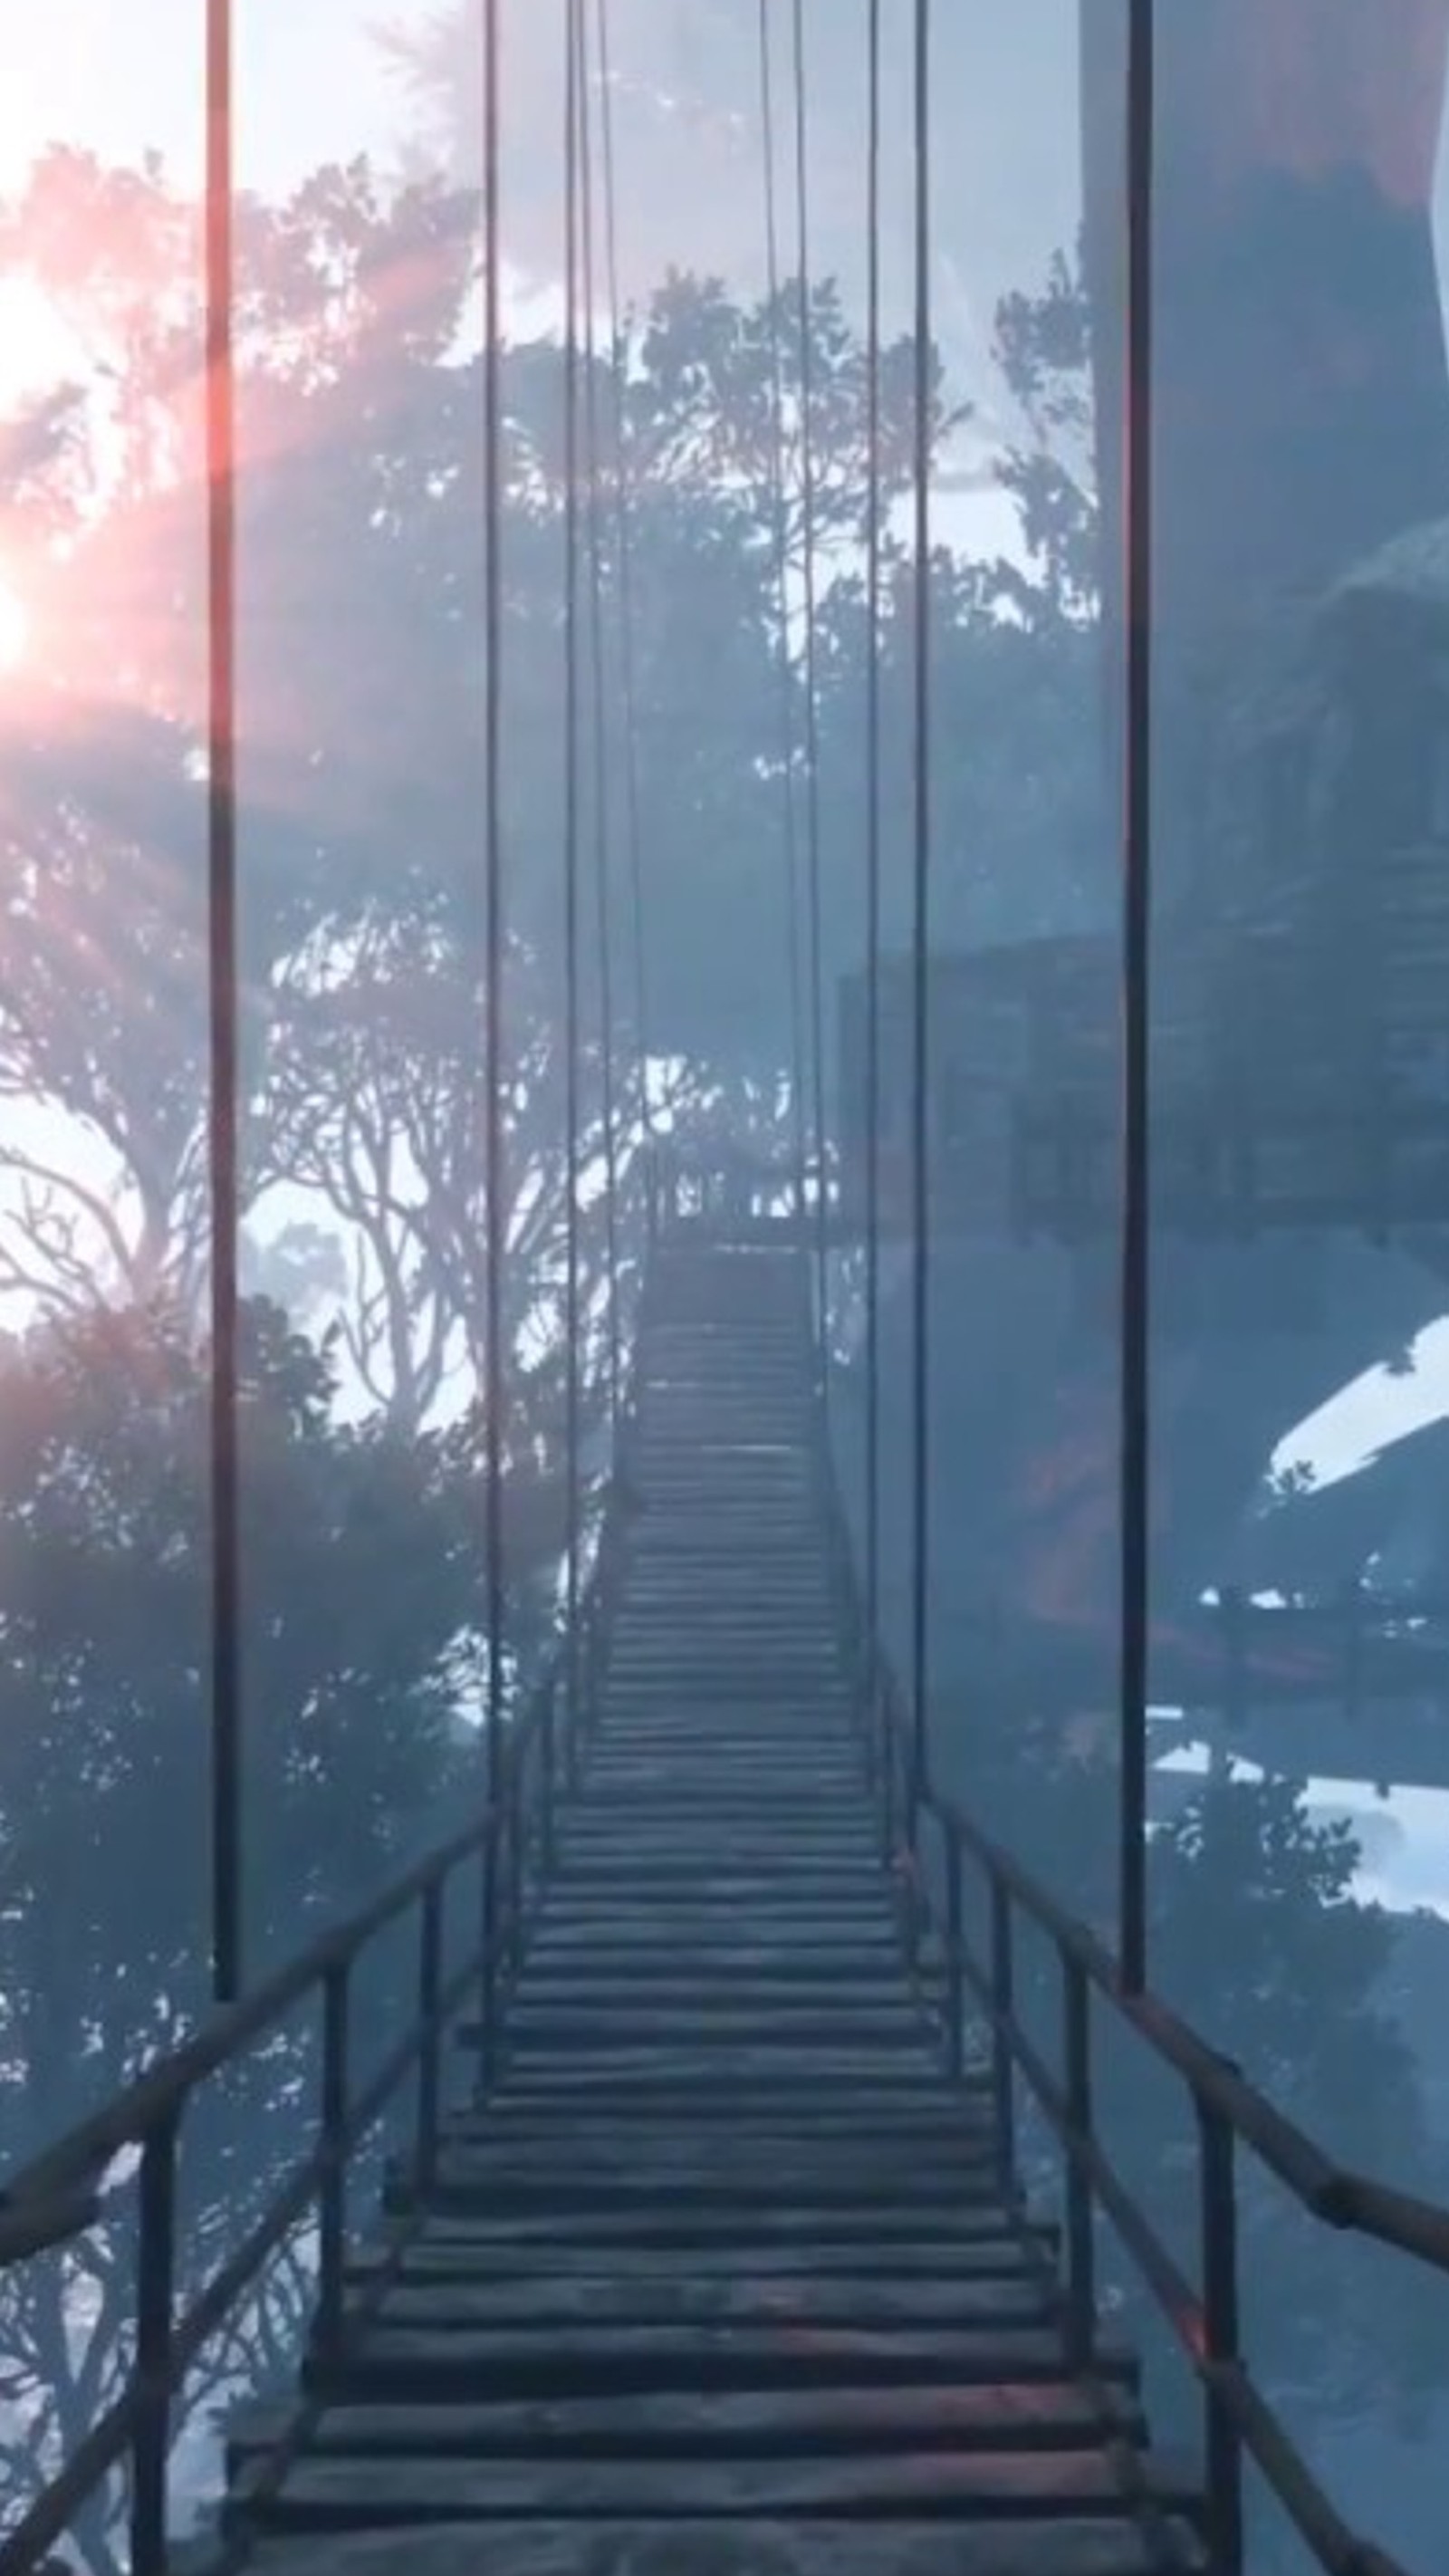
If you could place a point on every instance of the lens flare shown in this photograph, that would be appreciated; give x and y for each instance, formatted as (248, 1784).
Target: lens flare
(14, 628)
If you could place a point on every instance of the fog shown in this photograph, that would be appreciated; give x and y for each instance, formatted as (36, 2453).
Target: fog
(1299, 1582)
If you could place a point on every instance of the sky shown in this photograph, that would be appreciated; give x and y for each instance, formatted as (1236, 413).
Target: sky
(312, 84)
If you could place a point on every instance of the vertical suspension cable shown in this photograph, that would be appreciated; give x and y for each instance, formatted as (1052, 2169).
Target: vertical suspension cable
(778, 512)
(1136, 1008)
(602, 839)
(812, 706)
(224, 1016)
(495, 1392)
(624, 540)
(872, 828)
(572, 1316)
(920, 947)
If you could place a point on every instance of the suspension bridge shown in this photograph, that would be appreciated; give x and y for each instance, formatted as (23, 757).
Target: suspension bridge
(710, 2249)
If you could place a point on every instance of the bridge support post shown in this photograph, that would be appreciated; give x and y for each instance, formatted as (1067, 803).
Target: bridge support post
(1222, 2345)
(332, 2199)
(430, 2000)
(517, 1863)
(955, 1982)
(1081, 2246)
(1003, 2005)
(488, 1975)
(1232, 1611)
(1353, 1650)
(151, 2438)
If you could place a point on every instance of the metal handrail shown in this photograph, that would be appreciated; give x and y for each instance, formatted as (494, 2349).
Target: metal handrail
(1230, 2112)
(61, 2193)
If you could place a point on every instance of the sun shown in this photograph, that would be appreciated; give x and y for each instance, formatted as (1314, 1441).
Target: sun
(14, 627)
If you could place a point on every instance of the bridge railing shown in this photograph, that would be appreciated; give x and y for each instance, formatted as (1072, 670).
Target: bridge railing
(1231, 2114)
(63, 2193)
(709, 1185)
(1230, 1165)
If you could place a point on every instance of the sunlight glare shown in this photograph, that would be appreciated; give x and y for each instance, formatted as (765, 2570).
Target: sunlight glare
(14, 628)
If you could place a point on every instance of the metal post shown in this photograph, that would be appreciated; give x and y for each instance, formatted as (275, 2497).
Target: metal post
(1136, 1012)
(224, 1020)
(955, 1981)
(874, 566)
(888, 1780)
(332, 2200)
(548, 1791)
(156, 2263)
(1353, 1650)
(1081, 2234)
(488, 1968)
(1003, 2004)
(430, 1990)
(1221, 2335)
(1233, 1624)
(495, 933)
(920, 926)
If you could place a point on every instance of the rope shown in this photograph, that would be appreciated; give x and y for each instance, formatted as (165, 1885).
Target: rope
(920, 874)
(572, 1317)
(624, 540)
(812, 708)
(224, 1018)
(604, 910)
(495, 1391)
(782, 579)
(1136, 1010)
(873, 830)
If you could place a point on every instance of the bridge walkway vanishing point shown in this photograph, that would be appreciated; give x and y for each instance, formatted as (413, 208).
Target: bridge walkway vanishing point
(724, 2276)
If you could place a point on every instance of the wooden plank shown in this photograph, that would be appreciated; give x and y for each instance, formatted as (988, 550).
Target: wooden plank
(718, 2423)
(719, 2073)
(620, 2021)
(840, 1824)
(575, 2071)
(520, 2361)
(450, 2303)
(581, 1965)
(614, 1918)
(827, 1886)
(723, 2184)
(1107, 2545)
(927, 2130)
(696, 2232)
(796, 1854)
(372, 2492)
(934, 2260)
(712, 2111)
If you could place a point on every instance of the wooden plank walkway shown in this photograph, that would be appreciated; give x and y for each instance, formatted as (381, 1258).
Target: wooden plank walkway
(724, 2278)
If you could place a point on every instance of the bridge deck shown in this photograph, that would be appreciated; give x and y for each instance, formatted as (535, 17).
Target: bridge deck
(723, 2278)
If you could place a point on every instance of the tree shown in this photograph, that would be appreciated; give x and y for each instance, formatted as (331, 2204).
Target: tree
(1042, 349)
(362, 1588)
(1256, 1938)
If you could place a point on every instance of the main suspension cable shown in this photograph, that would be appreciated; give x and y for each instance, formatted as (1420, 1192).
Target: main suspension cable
(572, 1315)
(1136, 1249)
(495, 1240)
(602, 834)
(873, 537)
(624, 538)
(812, 705)
(780, 530)
(921, 882)
(224, 1019)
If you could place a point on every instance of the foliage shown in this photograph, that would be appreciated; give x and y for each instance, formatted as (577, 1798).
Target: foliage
(361, 1572)
(1256, 1938)
(1043, 350)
